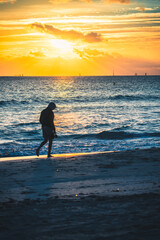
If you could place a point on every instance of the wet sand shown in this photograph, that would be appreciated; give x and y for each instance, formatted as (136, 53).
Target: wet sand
(113, 195)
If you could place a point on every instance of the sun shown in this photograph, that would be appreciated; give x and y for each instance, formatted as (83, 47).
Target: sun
(62, 45)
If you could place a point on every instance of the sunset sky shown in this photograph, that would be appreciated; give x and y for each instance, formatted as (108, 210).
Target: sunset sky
(72, 37)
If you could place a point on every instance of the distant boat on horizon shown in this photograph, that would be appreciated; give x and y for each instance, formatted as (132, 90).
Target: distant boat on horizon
(20, 75)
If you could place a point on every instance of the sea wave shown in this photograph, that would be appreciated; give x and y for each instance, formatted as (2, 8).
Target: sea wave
(18, 102)
(124, 135)
(116, 135)
(133, 97)
(118, 97)
(7, 102)
(26, 124)
(32, 132)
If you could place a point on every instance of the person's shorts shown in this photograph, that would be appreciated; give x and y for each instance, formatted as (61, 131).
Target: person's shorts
(47, 132)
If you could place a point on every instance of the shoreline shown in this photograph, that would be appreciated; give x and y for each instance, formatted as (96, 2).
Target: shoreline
(15, 158)
(65, 155)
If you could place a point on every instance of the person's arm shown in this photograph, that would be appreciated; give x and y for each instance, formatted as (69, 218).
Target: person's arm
(54, 130)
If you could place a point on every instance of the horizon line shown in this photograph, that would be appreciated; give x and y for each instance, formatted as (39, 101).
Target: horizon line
(132, 75)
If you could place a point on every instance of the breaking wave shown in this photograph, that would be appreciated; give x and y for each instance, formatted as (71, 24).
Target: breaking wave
(124, 135)
(116, 135)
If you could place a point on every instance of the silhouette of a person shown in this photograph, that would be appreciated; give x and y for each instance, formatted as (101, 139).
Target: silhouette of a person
(48, 127)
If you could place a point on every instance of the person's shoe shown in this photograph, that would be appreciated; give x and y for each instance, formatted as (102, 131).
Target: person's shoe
(50, 156)
(37, 152)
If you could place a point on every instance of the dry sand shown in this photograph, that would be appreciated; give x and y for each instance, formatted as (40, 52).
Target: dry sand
(112, 195)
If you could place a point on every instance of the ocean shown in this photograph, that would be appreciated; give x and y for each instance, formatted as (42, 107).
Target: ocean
(94, 114)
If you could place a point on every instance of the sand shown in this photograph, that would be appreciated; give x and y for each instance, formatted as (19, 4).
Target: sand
(112, 195)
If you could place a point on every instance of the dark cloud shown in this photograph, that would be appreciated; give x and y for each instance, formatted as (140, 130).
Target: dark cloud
(93, 37)
(68, 35)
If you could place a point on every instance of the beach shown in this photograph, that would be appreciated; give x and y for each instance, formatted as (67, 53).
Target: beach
(107, 195)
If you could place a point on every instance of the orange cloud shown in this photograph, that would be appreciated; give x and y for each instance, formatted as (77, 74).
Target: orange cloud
(119, 1)
(140, 9)
(87, 53)
(65, 1)
(8, 1)
(143, 9)
(90, 62)
(36, 54)
(68, 35)
(89, 1)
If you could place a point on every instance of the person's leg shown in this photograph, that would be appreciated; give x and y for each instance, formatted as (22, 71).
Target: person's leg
(49, 147)
(41, 145)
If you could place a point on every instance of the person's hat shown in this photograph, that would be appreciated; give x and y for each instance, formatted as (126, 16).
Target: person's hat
(52, 105)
